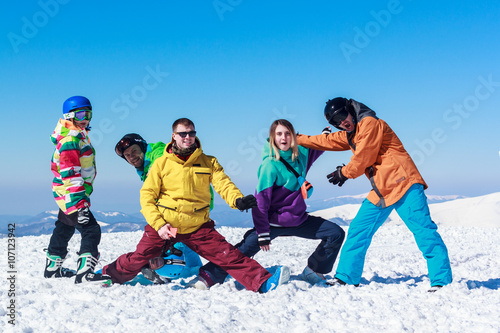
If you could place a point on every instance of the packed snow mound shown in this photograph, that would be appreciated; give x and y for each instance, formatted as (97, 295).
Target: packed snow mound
(345, 213)
(482, 211)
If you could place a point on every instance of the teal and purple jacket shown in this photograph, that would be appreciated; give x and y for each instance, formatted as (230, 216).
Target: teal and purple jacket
(73, 166)
(279, 200)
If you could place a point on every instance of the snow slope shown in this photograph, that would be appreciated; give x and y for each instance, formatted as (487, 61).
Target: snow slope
(483, 211)
(392, 297)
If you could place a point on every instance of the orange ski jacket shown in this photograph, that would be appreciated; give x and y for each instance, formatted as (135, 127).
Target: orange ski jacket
(377, 152)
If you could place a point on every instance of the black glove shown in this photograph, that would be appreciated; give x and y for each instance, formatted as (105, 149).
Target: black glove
(327, 130)
(264, 239)
(337, 177)
(83, 215)
(245, 203)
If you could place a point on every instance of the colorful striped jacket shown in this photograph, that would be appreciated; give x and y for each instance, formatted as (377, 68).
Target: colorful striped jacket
(73, 166)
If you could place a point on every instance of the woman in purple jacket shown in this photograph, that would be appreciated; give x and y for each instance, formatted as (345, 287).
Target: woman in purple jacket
(281, 209)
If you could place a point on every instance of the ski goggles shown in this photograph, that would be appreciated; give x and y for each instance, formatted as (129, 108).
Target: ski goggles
(192, 134)
(338, 116)
(159, 262)
(122, 145)
(79, 115)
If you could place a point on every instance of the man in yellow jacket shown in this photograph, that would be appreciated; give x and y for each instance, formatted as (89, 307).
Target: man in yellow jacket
(396, 184)
(175, 201)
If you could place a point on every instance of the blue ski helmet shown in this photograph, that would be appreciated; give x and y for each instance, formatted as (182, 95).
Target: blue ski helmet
(75, 102)
(173, 267)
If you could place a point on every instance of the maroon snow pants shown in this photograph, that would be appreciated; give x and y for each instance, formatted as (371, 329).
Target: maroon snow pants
(206, 241)
(211, 245)
(128, 265)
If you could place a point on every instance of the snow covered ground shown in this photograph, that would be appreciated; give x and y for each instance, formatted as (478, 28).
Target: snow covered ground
(392, 297)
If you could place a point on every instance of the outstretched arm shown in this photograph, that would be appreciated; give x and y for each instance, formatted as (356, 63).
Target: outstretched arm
(223, 185)
(264, 195)
(336, 141)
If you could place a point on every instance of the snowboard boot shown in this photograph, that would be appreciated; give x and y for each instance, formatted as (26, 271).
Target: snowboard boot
(54, 269)
(311, 276)
(198, 283)
(85, 273)
(151, 275)
(435, 288)
(281, 276)
(338, 282)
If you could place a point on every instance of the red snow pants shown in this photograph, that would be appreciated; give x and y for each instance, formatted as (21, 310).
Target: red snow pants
(206, 241)
(128, 265)
(211, 245)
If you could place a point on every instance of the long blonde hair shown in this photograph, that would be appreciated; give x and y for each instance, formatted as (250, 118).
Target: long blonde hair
(274, 151)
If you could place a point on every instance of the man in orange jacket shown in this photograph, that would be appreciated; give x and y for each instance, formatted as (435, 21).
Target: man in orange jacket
(396, 184)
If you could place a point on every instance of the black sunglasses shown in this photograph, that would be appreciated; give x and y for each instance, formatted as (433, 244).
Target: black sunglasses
(184, 134)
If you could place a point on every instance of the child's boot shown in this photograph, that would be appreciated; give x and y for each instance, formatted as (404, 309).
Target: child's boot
(85, 273)
(54, 269)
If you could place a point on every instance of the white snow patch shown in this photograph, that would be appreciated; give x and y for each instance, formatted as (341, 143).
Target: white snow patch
(392, 297)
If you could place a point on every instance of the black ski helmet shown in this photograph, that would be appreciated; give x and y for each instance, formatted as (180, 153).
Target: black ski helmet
(129, 140)
(333, 106)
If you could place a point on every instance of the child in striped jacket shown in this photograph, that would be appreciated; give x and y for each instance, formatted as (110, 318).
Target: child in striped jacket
(73, 166)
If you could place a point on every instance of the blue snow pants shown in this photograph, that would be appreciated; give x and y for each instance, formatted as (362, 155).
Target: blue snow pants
(414, 211)
(320, 261)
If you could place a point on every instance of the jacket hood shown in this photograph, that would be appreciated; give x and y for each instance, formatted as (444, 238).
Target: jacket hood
(265, 150)
(65, 128)
(195, 154)
(360, 111)
(287, 155)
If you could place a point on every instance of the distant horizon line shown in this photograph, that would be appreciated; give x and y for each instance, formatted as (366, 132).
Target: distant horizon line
(356, 196)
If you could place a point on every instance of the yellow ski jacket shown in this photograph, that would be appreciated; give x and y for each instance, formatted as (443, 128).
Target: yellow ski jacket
(178, 192)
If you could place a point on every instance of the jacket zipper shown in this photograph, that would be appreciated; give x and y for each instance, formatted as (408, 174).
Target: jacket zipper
(198, 209)
(174, 209)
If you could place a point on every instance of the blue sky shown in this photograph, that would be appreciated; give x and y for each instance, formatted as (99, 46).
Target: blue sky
(428, 68)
